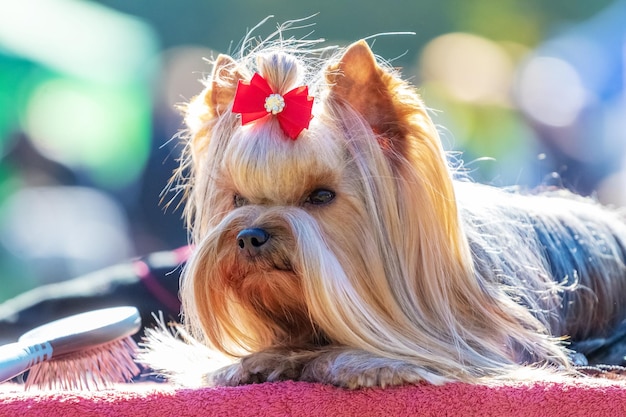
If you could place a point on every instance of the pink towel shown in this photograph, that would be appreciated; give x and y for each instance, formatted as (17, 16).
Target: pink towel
(582, 397)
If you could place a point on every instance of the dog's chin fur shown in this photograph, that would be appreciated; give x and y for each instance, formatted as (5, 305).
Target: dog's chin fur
(407, 275)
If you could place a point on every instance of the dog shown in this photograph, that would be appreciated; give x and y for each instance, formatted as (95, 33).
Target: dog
(335, 242)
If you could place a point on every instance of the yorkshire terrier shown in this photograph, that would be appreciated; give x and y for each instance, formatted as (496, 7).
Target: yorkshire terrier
(334, 242)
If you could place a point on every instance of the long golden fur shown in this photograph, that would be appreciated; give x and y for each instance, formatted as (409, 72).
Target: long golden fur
(408, 274)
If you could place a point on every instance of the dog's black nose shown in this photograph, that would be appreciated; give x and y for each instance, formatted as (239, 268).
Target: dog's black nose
(251, 240)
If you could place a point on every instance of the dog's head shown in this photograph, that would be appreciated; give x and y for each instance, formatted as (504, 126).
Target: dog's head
(348, 234)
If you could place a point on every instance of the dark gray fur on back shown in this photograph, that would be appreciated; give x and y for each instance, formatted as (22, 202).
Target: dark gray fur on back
(560, 255)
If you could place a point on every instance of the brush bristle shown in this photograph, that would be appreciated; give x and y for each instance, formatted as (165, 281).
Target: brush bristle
(92, 369)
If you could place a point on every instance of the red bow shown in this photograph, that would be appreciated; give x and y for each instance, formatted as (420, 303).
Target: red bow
(255, 100)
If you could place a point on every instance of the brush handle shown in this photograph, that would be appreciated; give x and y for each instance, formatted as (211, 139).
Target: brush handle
(16, 358)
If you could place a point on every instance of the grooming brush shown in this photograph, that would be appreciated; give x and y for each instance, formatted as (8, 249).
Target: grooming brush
(86, 351)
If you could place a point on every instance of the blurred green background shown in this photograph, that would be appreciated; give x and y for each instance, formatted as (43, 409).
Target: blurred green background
(531, 92)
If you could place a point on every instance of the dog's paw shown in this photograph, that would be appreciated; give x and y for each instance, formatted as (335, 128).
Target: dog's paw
(257, 368)
(357, 369)
(373, 377)
(379, 377)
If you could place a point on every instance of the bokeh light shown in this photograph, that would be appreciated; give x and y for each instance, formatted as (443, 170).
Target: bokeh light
(79, 38)
(97, 129)
(469, 67)
(551, 92)
(53, 222)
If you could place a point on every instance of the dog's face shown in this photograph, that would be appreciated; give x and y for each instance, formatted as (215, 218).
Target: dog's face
(283, 209)
(348, 235)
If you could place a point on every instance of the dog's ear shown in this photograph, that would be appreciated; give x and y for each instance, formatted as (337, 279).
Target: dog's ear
(213, 101)
(359, 81)
(226, 74)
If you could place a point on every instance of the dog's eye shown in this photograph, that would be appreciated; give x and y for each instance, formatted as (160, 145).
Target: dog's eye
(320, 197)
(239, 201)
